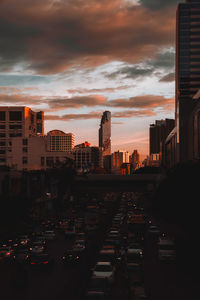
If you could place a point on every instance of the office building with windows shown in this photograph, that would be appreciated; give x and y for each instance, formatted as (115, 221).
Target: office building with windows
(105, 133)
(187, 76)
(21, 122)
(23, 145)
(58, 140)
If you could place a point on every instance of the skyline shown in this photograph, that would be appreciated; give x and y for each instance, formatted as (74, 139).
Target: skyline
(68, 59)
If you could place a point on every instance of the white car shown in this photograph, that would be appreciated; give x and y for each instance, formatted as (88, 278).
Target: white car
(104, 269)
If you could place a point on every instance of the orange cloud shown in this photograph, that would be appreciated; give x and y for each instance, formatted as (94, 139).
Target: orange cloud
(53, 36)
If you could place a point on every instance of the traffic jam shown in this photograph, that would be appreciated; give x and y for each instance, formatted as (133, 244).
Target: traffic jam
(97, 247)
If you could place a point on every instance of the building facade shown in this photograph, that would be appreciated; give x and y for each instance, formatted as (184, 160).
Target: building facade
(118, 158)
(17, 122)
(187, 74)
(23, 145)
(158, 132)
(87, 158)
(105, 133)
(58, 140)
(31, 153)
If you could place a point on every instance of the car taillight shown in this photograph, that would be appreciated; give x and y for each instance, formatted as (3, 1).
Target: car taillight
(8, 253)
(45, 262)
(32, 263)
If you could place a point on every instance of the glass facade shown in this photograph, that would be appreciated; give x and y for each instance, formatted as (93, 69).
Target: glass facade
(105, 133)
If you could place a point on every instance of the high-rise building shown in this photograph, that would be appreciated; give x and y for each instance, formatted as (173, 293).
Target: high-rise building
(187, 74)
(158, 133)
(58, 140)
(86, 157)
(105, 133)
(17, 121)
(118, 158)
(135, 157)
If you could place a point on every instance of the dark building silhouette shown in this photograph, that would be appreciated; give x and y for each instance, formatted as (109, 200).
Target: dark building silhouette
(158, 133)
(105, 133)
(187, 77)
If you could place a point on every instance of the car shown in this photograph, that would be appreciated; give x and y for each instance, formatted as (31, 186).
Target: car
(20, 256)
(50, 235)
(70, 233)
(23, 240)
(153, 229)
(104, 269)
(5, 253)
(41, 261)
(79, 244)
(133, 258)
(107, 255)
(37, 247)
(166, 249)
(71, 257)
(96, 295)
(98, 284)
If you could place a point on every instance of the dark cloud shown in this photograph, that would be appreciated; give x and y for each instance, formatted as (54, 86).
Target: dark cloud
(131, 72)
(159, 4)
(162, 61)
(165, 60)
(168, 78)
(53, 36)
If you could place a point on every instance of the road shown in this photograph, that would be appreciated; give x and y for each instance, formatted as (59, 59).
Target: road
(166, 281)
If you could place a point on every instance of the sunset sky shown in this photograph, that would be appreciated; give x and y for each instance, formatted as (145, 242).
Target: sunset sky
(75, 59)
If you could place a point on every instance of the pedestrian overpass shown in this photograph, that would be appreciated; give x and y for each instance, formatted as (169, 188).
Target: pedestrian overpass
(116, 183)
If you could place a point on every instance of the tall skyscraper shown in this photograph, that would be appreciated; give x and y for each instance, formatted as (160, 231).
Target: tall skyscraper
(105, 133)
(187, 74)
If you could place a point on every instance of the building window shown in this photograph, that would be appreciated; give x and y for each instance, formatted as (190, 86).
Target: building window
(2, 134)
(24, 160)
(49, 161)
(2, 151)
(15, 135)
(2, 126)
(42, 161)
(15, 116)
(2, 115)
(25, 142)
(25, 150)
(2, 143)
(15, 126)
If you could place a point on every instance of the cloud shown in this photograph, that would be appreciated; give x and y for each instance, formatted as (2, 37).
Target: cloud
(150, 102)
(131, 72)
(159, 4)
(52, 36)
(16, 80)
(77, 102)
(71, 117)
(168, 78)
(146, 101)
(100, 90)
(162, 61)
(97, 115)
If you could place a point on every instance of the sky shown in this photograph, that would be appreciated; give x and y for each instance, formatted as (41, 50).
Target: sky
(74, 59)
